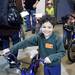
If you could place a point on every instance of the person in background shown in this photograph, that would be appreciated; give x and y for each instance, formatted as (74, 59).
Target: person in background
(30, 6)
(12, 29)
(68, 25)
(7, 34)
(51, 48)
(49, 8)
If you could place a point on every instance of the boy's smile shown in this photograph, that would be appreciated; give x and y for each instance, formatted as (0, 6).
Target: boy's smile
(47, 29)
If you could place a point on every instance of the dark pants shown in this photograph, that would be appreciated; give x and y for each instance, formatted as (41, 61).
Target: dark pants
(53, 70)
(15, 39)
(30, 19)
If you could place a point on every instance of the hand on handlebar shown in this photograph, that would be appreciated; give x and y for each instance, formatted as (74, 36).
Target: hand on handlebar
(5, 51)
(47, 60)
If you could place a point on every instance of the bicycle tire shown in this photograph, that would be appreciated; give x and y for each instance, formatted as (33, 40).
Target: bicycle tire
(71, 51)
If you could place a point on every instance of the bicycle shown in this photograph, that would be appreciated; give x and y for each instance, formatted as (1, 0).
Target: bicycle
(71, 43)
(31, 70)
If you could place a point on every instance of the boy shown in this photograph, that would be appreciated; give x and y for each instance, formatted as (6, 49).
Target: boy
(51, 48)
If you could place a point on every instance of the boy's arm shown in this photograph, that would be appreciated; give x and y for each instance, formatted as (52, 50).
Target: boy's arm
(60, 51)
(32, 41)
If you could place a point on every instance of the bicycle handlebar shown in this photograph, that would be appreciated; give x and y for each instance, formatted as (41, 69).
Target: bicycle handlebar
(12, 55)
(69, 28)
(19, 61)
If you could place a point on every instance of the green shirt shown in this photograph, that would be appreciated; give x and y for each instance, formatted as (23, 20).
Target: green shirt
(50, 11)
(52, 47)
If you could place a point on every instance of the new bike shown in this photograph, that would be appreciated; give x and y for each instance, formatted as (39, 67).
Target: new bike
(31, 70)
(71, 42)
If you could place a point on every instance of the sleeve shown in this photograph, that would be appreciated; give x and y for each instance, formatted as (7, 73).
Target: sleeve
(60, 51)
(32, 41)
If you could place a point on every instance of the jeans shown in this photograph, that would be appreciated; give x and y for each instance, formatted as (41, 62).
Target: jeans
(52, 70)
(30, 19)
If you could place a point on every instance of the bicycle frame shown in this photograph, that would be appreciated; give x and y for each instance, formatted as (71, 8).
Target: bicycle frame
(72, 34)
(71, 46)
(31, 70)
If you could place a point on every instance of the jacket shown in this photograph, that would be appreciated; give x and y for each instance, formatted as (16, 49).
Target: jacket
(52, 47)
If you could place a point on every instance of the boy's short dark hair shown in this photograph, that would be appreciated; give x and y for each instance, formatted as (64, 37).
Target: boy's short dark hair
(47, 18)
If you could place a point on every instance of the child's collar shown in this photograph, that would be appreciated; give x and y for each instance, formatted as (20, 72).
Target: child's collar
(46, 37)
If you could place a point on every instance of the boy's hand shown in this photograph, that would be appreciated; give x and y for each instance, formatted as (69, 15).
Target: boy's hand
(5, 51)
(47, 60)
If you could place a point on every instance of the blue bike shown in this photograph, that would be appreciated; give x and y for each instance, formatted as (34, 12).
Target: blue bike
(31, 70)
(71, 42)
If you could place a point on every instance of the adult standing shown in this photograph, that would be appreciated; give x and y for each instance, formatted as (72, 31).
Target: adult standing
(10, 23)
(30, 6)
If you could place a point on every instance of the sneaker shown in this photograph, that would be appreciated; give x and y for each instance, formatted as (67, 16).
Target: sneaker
(14, 64)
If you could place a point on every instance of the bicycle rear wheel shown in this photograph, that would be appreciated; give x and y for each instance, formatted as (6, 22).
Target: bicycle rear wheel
(71, 52)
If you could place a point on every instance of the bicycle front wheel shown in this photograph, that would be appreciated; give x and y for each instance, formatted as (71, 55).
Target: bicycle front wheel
(71, 52)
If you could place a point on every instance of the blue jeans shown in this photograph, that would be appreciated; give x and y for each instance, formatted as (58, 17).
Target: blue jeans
(31, 23)
(52, 70)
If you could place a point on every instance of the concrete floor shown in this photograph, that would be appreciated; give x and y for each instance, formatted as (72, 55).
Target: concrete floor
(68, 68)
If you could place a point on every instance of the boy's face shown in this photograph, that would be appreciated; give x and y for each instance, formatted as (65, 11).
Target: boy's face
(47, 29)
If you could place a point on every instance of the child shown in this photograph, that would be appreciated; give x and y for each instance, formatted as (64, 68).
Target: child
(51, 48)
(50, 8)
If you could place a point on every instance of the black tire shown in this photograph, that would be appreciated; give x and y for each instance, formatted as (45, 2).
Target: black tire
(66, 44)
(71, 52)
